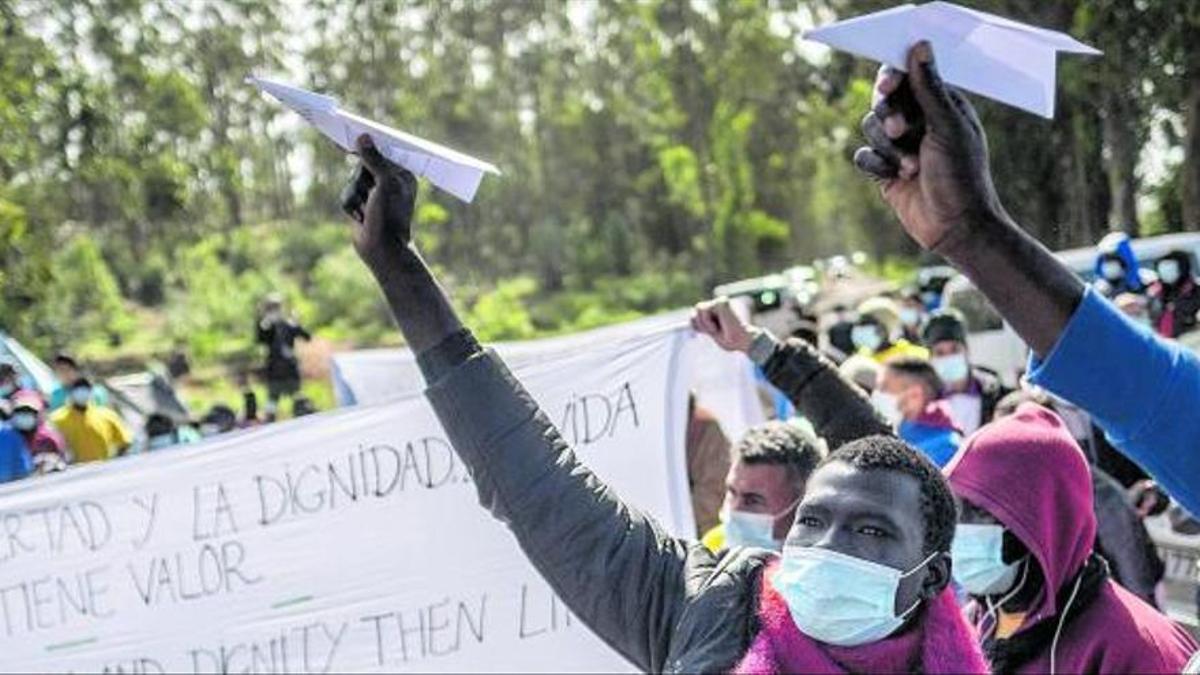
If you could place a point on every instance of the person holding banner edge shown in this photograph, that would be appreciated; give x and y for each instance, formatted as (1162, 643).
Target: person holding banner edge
(875, 509)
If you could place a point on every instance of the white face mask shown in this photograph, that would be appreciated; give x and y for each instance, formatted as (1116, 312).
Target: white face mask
(1168, 271)
(81, 396)
(978, 560)
(24, 420)
(952, 368)
(839, 599)
(743, 528)
(888, 406)
(910, 317)
(867, 337)
(1112, 270)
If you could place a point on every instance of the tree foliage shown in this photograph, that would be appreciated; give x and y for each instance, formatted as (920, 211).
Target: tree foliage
(651, 150)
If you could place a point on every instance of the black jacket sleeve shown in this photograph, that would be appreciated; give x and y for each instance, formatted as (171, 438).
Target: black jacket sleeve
(614, 566)
(839, 410)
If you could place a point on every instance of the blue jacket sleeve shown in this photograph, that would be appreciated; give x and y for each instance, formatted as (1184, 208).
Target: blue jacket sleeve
(1143, 391)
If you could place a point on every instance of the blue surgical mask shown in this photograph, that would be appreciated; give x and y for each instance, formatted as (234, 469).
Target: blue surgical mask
(951, 368)
(81, 396)
(24, 420)
(161, 441)
(743, 528)
(7, 388)
(866, 337)
(977, 556)
(910, 317)
(1168, 271)
(888, 407)
(839, 599)
(1112, 270)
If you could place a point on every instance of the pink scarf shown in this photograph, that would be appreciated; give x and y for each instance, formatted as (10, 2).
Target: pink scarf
(941, 642)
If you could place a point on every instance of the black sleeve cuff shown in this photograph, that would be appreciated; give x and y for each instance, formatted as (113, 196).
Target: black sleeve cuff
(451, 352)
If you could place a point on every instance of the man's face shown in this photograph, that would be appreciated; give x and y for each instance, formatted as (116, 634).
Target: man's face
(874, 515)
(761, 488)
(909, 393)
(65, 373)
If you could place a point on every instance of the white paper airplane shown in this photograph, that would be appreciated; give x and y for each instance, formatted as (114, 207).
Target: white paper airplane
(450, 170)
(979, 52)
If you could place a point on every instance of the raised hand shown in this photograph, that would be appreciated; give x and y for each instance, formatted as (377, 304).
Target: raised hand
(380, 199)
(929, 151)
(716, 319)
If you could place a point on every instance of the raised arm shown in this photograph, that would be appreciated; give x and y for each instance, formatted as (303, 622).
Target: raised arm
(615, 567)
(944, 196)
(929, 153)
(836, 407)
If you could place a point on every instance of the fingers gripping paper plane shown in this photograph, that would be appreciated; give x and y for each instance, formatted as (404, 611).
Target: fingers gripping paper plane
(448, 169)
(992, 56)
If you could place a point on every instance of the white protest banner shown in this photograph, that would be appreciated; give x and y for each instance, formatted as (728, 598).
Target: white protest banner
(723, 382)
(349, 541)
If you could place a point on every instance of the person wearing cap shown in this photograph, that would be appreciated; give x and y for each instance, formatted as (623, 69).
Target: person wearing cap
(971, 391)
(1175, 297)
(878, 333)
(67, 370)
(93, 433)
(29, 421)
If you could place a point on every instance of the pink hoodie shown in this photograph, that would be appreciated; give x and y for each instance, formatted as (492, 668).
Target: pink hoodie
(1028, 472)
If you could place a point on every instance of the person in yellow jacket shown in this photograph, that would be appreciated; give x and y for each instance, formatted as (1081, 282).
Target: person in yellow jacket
(879, 333)
(93, 433)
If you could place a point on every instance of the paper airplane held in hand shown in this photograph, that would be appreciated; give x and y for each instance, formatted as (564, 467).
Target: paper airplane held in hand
(979, 52)
(448, 169)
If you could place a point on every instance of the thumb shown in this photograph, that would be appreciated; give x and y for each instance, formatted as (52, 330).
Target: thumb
(374, 160)
(928, 88)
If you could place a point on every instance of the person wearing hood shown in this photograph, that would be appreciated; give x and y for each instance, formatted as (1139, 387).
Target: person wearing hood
(879, 332)
(94, 433)
(1116, 269)
(1121, 536)
(862, 584)
(772, 463)
(1042, 598)
(971, 391)
(1175, 297)
(29, 420)
(908, 395)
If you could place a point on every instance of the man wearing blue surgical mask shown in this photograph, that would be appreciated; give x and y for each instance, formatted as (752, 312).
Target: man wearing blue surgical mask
(970, 391)
(772, 463)
(865, 571)
(93, 433)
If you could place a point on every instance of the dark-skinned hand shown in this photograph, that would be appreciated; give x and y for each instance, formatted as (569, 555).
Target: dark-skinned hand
(929, 152)
(380, 200)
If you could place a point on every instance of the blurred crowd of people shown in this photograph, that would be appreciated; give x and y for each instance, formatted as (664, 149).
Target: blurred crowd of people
(77, 421)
